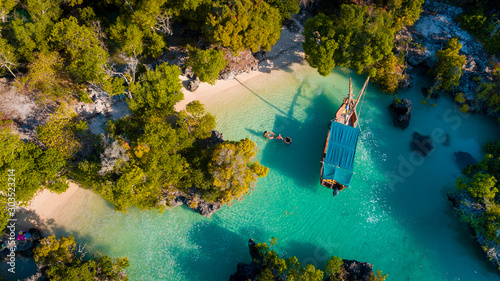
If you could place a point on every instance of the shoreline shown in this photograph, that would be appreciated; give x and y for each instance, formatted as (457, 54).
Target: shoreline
(287, 51)
(47, 209)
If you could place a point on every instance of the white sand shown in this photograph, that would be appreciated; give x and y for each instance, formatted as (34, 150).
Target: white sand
(48, 207)
(288, 50)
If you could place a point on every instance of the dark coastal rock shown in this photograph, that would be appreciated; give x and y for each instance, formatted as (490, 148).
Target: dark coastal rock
(250, 271)
(292, 25)
(244, 62)
(361, 271)
(401, 113)
(191, 199)
(464, 159)
(453, 199)
(192, 85)
(421, 144)
(430, 33)
(207, 209)
(351, 269)
(215, 138)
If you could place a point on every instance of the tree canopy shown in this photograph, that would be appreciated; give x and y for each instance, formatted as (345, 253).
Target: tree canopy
(448, 69)
(59, 259)
(357, 38)
(159, 92)
(206, 64)
(249, 24)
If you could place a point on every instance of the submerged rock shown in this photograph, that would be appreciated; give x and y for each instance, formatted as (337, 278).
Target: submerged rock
(464, 159)
(446, 140)
(401, 113)
(421, 144)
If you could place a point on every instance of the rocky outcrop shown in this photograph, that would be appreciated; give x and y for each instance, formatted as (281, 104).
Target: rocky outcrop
(401, 113)
(468, 207)
(192, 85)
(428, 35)
(250, 271)
(215, 138)
(463, 159)
(355, 270)
(175, 198)
(192, 200)
(352, 270)
(244, 62)
(422, 144)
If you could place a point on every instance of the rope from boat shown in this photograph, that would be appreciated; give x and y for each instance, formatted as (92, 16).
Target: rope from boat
(360, 108)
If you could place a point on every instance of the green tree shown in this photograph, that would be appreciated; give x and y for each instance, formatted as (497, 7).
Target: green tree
(481, 186)
(129, 36)
(206, 64)
(333, 267)
(196, 121)
(30, 36)
(43, 10)
(286, 7)
(44, 73)
(389, 73)
(246, 24)
(60, 131)
(5, 7)
(59, 261)
(404, 12)
(38, 168)
(320, 43)
(85, 57)
(158, 93)
(448, 69)
(8, 59)
(141, 27)
(356, 38)
(233, 170)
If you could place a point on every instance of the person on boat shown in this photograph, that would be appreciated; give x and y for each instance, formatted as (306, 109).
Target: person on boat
(279, 137)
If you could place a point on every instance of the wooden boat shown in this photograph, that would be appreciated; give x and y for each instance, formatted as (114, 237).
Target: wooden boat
(340, 145)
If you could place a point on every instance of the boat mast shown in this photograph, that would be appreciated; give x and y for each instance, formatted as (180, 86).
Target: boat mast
(361, 93)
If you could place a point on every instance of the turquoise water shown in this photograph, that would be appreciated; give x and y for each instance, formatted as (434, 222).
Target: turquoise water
(395, 215)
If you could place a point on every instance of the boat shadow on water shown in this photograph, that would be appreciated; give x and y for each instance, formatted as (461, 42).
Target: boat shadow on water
(300, 160)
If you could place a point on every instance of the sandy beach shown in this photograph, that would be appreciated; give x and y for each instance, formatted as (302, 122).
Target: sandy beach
(288, 50)
(48, 209)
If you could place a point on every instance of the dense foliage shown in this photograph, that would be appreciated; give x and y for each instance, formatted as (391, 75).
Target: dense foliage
(362, 38)
(206, 64)
(32, 167)
(449, 65)
(480, 18)
(145, 157)
(60, 259)
(479, 201)
(488, 92)
(272, 267)
(58, 49)
(246, 24)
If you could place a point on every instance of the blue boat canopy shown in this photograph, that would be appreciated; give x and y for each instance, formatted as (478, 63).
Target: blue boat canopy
(339, 159)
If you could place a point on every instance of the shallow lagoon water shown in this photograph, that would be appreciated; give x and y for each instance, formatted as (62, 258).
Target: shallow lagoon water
(395, 216)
